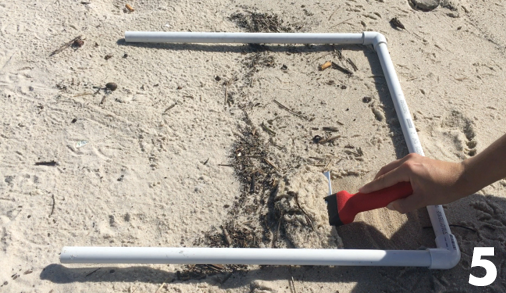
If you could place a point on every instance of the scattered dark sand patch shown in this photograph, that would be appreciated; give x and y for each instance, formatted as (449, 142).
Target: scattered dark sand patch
(259, 22)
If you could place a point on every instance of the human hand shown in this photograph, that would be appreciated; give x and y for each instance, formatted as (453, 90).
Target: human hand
(433, 181)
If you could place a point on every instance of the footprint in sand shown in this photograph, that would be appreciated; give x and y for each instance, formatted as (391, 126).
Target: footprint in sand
(463, 125)
(454, 130)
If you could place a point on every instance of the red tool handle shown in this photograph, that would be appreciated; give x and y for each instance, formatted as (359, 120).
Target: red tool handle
(351, 204)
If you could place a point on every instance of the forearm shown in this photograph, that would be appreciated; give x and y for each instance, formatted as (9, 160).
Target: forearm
(484, 168)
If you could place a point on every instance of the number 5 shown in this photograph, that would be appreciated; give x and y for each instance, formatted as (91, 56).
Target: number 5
(489, 266)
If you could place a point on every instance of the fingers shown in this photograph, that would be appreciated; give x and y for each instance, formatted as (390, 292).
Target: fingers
(389, 167)
(400, 174)
(395, 164)
(375, 185)
(406, 205)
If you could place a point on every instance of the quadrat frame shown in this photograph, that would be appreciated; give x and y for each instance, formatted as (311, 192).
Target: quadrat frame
(445, 256)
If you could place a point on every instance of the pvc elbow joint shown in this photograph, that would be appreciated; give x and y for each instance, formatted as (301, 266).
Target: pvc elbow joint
(447, 255)
(373, 38)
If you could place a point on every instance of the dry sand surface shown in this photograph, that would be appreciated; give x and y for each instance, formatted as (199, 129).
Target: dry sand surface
(217, 145)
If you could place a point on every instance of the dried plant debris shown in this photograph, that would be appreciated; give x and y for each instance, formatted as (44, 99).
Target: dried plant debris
(274, 209)
(397, 24)
(46, 163)
(330, 128)
(298, 114)
(301, 213)
(259, 22)
(329, 139)
(246, 226)
(259, 60)
(202, 271)
(76, 43)
(352, 64)
(253, 62)
(342, 69)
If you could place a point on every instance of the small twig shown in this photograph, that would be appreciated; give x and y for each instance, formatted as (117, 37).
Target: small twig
(276, 236)
(289, 111)
(342, 69)
(168, 108)
(98, 90)
(227, 236)
(330, 139)
(270, 163)
(64, 46)
(92, 272)
(52, 208)
(50, 163)
(334, 12)
(341, 22)
(355, 68)
(267, 129)
(226, 95)
(327, 165)
(163, 284)
(83, 94)
(324, 55)
(463, 227)
(316, 158)
(330, 128)
(304, 212)
(252, 184)
(225, 165)
(226, 91)
(339, 53)
(292, 285)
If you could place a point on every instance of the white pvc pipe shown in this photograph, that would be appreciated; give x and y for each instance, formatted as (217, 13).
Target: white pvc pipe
(250, 256)
(278, 38)
(444, 239)
(445, 256)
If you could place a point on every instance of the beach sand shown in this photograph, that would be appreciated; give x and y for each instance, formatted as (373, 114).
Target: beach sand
(224, 145)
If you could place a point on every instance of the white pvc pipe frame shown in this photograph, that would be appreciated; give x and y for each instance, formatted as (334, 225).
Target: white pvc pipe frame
(445, 256)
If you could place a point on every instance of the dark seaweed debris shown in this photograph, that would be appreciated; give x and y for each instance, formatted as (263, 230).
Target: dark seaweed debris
(259, 22)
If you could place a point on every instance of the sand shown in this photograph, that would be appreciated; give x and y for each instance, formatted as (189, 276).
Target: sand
(216, 145)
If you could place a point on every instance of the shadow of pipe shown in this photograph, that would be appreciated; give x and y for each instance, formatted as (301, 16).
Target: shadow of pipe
(241, 48)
